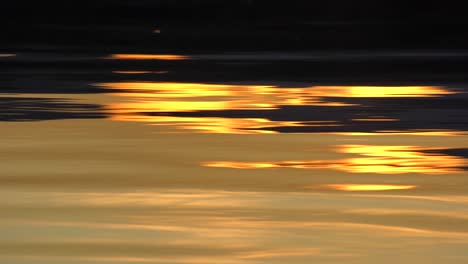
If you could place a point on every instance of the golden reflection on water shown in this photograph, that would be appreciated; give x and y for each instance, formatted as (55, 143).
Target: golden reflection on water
(367, 187)
(148, 57)
(399, 159)
(139, 99)
(94, 191)
(210, 124)
(88, 190)
(188, 97)
(213, 226)
(383, 91)
(279, 95)
(372, 159)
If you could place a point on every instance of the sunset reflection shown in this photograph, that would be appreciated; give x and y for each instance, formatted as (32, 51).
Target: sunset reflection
(159, 102)
(209, 124)
(399, 159)
(233, 132)
(279, 95)
(372, 159)
(367, 187)
(148, 97)
(383, 91)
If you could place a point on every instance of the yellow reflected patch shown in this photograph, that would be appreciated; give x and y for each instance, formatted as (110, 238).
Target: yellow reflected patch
(371, 159)
(367, 187)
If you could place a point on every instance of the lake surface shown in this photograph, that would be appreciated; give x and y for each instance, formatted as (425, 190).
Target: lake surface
(348, 157)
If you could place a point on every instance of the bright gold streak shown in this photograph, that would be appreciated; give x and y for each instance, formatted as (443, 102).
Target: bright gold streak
(188, 97)
(209, 124)
(367, 187)
(398, 159)
(148, 57)
(168, 97)
(372, 159)
(382, 91)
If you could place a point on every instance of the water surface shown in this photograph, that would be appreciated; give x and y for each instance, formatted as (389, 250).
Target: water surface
(240, 158)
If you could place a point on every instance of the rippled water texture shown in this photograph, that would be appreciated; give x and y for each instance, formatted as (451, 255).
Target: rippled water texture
(229, 158)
